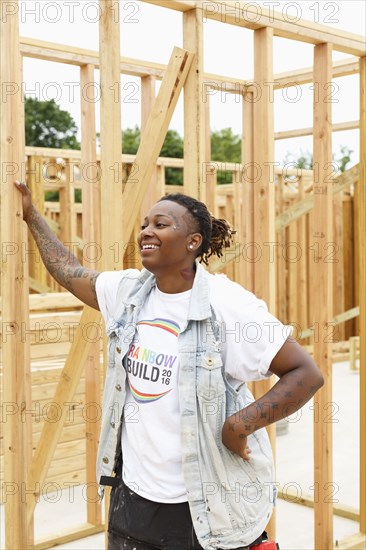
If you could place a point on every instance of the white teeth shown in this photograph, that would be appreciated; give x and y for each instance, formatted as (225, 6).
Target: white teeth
(147, 246)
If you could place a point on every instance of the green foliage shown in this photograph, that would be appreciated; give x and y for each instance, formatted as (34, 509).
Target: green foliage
(46, 125)
(131, 140)
(344, 159)
(225, 147)
(305, 160)
(172, 147)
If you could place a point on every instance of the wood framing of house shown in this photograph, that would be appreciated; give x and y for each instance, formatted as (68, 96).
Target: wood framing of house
(254, 207)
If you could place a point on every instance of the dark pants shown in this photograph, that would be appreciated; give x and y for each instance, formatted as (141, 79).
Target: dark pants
(136, 523)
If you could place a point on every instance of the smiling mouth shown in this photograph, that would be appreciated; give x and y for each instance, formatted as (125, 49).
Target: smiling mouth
(148, 247)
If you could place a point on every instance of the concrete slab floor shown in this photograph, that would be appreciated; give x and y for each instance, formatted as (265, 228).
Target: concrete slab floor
(294, 457)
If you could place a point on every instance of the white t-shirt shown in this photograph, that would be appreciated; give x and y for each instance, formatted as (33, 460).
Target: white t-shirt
(152, 464)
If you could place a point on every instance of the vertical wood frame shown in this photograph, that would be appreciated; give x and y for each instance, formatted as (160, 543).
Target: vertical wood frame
(14, 289)
(322, 273)
(110, 135)
(362, 293)
(90, 184)
(263, 193)
(248, 188)
(194, 108)
(153, 193)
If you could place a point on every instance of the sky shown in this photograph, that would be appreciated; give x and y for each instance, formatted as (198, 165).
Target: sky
(150, 33)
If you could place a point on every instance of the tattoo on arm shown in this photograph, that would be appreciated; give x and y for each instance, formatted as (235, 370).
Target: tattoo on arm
(57, 258)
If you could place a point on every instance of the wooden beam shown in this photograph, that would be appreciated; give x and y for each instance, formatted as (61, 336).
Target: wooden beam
(353, 542)
(362, 292)
(52, 301)
(252, 16)
(61, 53)
(14, 287)
(110, 135)
(341, 510)
(322, 292)
(194, 109)
(90, 179)
(344, 67)
(154, 134)
(264, 196)
(69, 535)
(339, 127)
(58, 410)
(337, 320)
(263, 184)
(248, 188)
(153, 192)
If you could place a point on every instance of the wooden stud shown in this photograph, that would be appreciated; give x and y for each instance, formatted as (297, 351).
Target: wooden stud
(14, 288)
(209, 174)
(90, 181)
(66, 200)
(147, 101)
(335, 256)
(264, 203)
(362, 293)
(322, 292)
(348, 260)
(161, 180)
(248, 190)
(194, 109)
(110, 136)
(264, 196)
(281, 278)
(154, 134)
(293, 271)
(35, 184)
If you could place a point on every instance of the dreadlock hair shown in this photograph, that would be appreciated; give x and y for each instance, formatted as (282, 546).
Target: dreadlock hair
(217, 234)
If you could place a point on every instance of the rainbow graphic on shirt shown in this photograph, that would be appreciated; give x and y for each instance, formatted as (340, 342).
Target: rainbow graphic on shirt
(141, 397)
(165, 324)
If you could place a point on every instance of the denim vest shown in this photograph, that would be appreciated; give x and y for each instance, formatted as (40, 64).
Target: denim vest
(230, 499)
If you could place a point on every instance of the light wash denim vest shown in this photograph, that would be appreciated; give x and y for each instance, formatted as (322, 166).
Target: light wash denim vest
(230, 499)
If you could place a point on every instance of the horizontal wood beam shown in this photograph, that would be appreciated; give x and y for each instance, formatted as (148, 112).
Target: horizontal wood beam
(353, 542)
(252, 16)
(341, 510)
(338, 127)
(52, 301)
(344, 67)
(337, 320)
(62, 53)
(69, 535)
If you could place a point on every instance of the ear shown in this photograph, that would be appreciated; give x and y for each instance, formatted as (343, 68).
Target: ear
(194, 241)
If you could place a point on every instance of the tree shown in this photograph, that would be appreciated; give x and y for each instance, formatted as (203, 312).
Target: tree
(225, 147)
(305, 160)
(47, 125)
(172, 147)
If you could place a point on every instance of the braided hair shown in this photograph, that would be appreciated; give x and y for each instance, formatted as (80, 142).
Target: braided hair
(217, 234)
